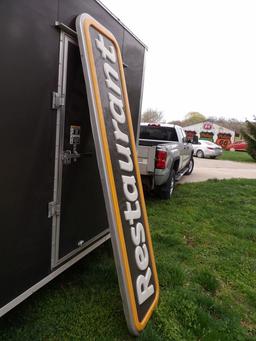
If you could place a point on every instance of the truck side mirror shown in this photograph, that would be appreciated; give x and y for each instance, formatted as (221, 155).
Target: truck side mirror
(185, 140)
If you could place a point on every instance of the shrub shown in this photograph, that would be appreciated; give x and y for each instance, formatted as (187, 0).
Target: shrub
(250, 137)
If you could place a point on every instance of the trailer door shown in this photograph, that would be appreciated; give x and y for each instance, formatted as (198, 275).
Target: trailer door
(80, 219)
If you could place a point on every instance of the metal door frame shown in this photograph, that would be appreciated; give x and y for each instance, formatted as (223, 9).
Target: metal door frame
(55, 205)
(60, 124)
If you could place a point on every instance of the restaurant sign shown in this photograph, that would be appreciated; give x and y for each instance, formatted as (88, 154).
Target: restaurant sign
(116, 154)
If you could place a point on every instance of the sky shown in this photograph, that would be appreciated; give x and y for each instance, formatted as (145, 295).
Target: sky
(201, 55)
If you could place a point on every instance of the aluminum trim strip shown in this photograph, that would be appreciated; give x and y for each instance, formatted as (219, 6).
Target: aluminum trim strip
(50, 277)
(78, 249)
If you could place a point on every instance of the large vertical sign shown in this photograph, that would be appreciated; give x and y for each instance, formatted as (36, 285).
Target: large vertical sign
(119, 170)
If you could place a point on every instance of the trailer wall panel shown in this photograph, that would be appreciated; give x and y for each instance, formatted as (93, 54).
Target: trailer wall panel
(29, 63)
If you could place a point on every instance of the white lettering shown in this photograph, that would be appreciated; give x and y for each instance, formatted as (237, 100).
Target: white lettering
(130, 189)
(132, 214)
(119, 135)
(109, 71)
(126, 166)
(143, 290)
(117, 108)
(141, 256)
(138, 234)
(133, 210)
(106, 53)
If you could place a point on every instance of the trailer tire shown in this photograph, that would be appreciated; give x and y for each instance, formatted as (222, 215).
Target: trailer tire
(190, 166)
(167, 189)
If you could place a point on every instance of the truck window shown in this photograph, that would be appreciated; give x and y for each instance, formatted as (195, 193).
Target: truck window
(158, 133)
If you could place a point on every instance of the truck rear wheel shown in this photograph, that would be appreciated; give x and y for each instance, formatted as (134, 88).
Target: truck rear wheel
(167, 189)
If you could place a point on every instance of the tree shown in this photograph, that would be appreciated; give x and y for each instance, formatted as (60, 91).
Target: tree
(177, 122)
(152, 116)
(230, 123)
(250, 137)
(196, 117)
(193, 117)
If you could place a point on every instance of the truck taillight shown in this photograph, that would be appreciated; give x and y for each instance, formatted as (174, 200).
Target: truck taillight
(160, 162)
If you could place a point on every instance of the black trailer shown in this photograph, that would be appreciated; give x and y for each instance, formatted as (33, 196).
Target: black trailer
(52, 206)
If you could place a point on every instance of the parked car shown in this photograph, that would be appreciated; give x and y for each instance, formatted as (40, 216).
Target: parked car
(207, 149)
(164, 155)
(240, 146)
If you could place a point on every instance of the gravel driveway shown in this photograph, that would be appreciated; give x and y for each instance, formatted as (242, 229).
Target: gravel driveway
(220, 169)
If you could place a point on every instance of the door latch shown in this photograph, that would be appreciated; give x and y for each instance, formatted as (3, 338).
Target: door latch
(68, 156)
(53, 209)
(58, 100)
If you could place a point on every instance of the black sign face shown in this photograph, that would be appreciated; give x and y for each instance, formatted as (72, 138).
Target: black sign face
(117, 159)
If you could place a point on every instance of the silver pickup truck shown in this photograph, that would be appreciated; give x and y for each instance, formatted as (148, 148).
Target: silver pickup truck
(164, 155)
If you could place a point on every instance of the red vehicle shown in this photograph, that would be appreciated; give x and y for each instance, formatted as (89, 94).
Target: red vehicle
(240, 146)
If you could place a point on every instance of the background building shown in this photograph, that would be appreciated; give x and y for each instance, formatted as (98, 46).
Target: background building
(207, 130)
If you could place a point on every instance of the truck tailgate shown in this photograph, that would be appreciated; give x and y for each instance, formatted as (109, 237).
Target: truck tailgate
(146, 158)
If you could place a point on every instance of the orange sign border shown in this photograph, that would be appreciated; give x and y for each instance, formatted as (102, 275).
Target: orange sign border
(87, 23)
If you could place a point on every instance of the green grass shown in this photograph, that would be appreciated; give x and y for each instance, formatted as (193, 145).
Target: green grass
(236, 156)
(205, 247)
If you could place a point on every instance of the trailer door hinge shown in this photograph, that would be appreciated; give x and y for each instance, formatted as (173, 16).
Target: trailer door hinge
(58, 100)
(53, 209)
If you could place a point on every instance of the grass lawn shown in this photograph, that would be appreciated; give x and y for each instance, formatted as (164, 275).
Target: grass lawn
(205, 248)
(236, 156)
